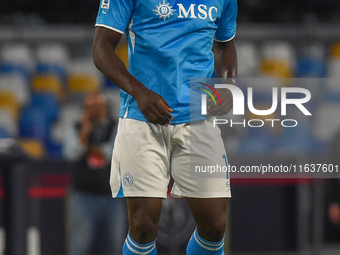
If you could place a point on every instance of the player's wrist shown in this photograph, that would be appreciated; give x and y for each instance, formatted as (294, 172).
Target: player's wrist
(138, 91)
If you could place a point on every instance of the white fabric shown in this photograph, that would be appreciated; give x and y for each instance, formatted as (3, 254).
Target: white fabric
(145, 154)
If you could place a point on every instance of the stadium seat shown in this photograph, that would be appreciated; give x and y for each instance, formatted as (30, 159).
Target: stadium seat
(47, 103)
(54, 149)
(34, 124)
(113, 96)
(9, 101)
(17, 53)
(33, 147)
(332, 88)
(248, 60)
(15, 69)
(69, 114)
(4, 133)
(332, 93)
(8, 123)
(52, 59)
(83, 83)
(311, 61)
(53, 53)
(256, 141)
(334, 67)
(85, 66)
(295, 140)
(326, 122)
(278, 60)
(263, 85)
(48, 84)
(18, 85)
(335, 51)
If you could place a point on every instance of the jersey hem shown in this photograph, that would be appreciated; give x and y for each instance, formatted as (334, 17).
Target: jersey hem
(172, 122)
(111, 28)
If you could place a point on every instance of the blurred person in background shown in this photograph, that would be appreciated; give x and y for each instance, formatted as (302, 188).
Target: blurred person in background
(89, 144)
(334, 184)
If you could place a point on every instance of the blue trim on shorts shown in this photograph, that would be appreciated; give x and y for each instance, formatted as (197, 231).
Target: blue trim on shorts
(120, 192)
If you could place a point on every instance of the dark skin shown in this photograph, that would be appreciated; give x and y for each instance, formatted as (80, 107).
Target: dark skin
(144, 213)
(153, 106)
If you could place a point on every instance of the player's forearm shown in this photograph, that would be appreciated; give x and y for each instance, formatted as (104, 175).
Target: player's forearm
(225, 59)
(109, 63)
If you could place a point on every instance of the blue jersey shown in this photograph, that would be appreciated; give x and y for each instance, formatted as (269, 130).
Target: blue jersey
(169, 43)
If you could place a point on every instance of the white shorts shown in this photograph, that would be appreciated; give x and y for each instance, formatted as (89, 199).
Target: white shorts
(146, 154)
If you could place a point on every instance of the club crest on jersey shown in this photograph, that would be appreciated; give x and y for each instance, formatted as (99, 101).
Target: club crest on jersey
(163, 10)
(105, 4)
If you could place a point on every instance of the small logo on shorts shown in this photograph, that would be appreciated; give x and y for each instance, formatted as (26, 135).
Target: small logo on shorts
(127, 179)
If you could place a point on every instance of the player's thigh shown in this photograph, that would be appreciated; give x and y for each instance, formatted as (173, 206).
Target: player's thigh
(200, 146)
(140, 160)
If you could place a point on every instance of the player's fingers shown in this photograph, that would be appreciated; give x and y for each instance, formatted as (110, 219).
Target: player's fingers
(165, 112)
(167, 108)
(165, 103)
(160, 112)
(147, 116)
(153, 118)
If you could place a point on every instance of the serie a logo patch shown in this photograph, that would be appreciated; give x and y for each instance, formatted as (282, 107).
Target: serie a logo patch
(105, 4)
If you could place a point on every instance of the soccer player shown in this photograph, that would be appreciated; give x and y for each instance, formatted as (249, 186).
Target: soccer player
(169, 43)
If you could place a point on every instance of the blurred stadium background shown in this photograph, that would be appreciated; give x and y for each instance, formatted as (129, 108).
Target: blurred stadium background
(46, 69)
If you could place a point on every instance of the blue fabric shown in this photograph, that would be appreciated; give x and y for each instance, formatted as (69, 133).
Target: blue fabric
(198, 245)
(170, 42)
(91, 213)
(131, 247)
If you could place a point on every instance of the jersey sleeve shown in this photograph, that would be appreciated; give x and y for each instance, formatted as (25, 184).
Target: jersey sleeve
(114, 14)
(227, 23)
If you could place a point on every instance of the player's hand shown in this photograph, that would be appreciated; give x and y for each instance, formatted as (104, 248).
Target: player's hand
(220, 109)
(154, 107)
